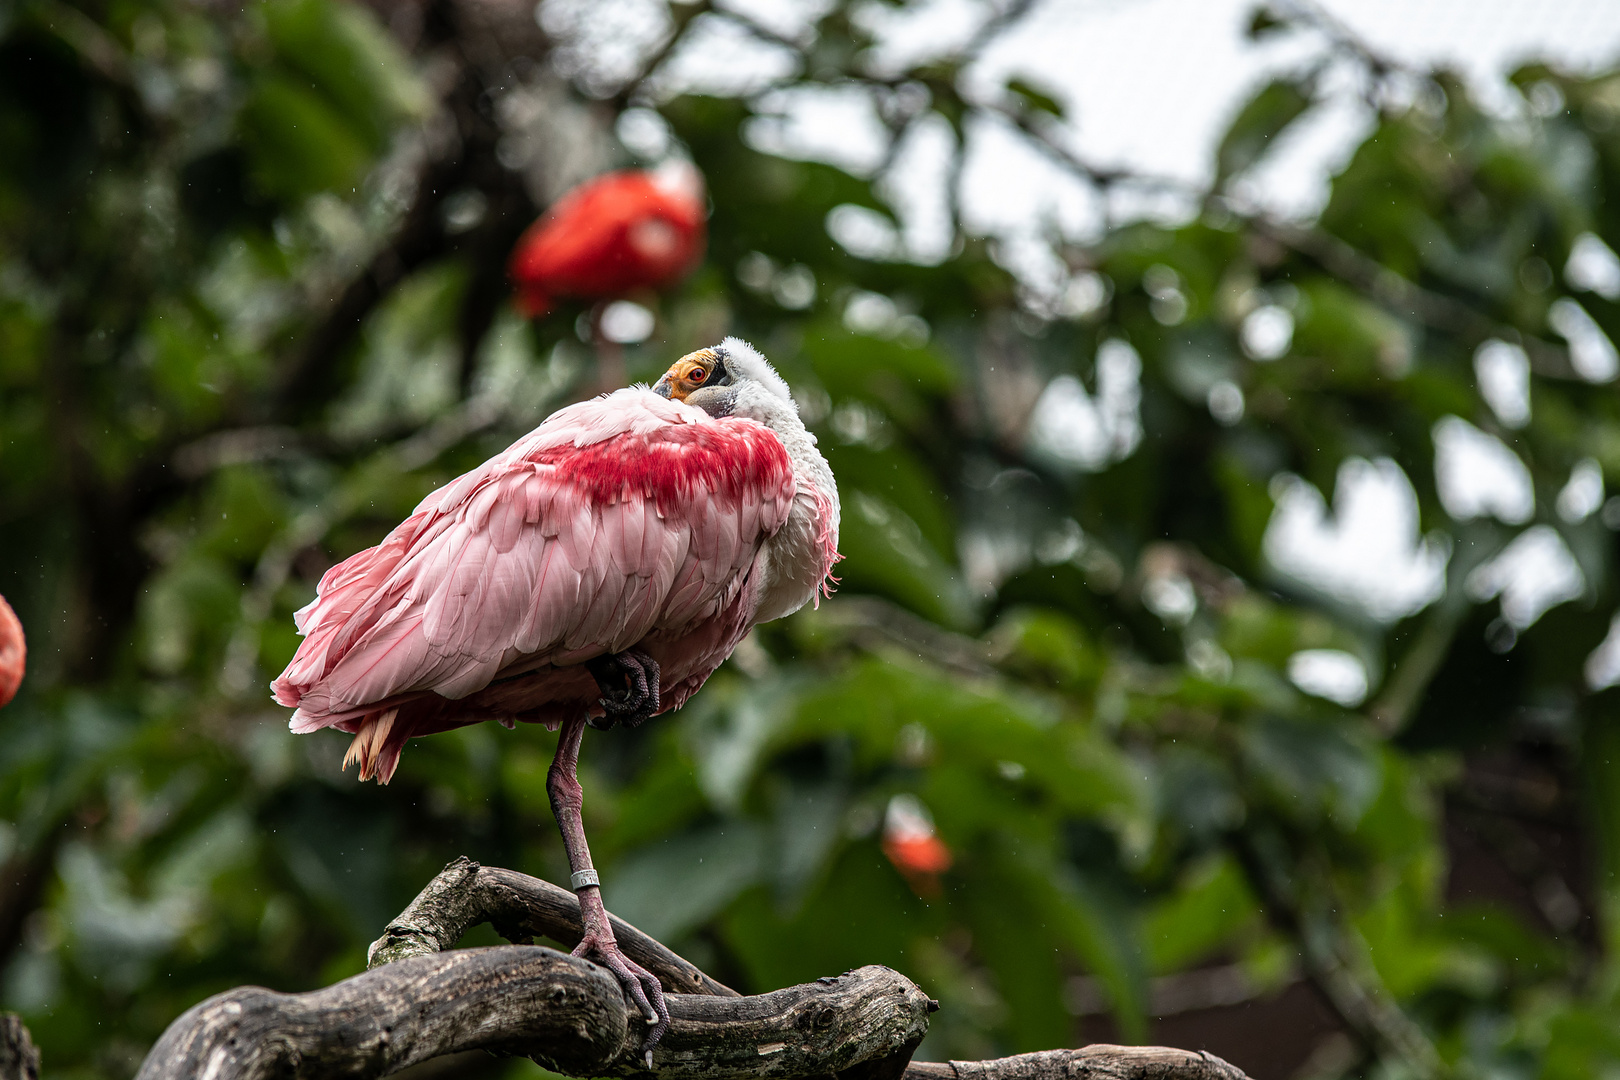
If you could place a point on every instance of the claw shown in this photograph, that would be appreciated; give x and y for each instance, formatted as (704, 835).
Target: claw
(640, 985)
(628, 683)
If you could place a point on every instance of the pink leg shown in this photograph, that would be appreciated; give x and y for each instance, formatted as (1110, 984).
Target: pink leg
(567, 799)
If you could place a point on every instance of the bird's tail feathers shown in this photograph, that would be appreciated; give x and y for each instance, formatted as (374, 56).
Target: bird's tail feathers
(373, 748)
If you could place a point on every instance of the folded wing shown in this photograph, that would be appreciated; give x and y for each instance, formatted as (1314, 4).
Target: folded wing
(615, 518)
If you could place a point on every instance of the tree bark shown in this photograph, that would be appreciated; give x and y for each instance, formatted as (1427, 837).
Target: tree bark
(1100, 1061)
(565, 1013)
(520, 908)
(422, 999)
(19, 1060)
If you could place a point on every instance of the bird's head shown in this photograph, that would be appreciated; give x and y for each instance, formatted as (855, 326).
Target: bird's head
(729, 379)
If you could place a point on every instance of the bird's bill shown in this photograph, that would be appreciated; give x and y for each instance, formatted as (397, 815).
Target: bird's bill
(687, 374)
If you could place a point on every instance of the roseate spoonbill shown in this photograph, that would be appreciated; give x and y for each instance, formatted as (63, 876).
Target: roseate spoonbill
(610, 236)
(13, 652)
(595, 572)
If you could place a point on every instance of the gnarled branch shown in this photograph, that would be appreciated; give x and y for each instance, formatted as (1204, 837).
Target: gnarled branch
(1100, 1061)
(19, 1060)
(565, 1013)
(422, 999)
(520, 908)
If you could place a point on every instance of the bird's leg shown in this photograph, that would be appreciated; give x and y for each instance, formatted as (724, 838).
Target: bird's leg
(629, 685)
(598, 943)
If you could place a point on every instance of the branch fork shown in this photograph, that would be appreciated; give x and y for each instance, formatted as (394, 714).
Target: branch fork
(422, 998)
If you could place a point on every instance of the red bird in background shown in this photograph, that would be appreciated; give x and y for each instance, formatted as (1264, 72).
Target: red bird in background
(619, 233)
(13, 652)
(913, 847)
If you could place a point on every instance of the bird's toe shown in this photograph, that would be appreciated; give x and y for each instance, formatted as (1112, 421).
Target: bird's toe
(640, 986)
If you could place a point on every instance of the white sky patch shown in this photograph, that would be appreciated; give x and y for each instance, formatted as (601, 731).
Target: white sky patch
(1603, 666)
(1582, 496)
(1503, 373)
(1368, 553)
(1071, 427)
(1329, 673)
(1162, 107)
(1485, 39)
(1533, 573)
(835, 124)
(719, 57)
(1478, 476)
(1151, 85)
(1044, 275)
(921, 204)
(1156, 107)
(1593, 266)
(603, 43)
(626, 322)
(1590, 350)
(1267, 332)
(789, 18)
(909, 34)
(1008, 186)
(864, 232)
(643, 132)
(1289, 180)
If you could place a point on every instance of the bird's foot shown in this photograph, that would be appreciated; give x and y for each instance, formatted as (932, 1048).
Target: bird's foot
(629, 685)
(640, 985)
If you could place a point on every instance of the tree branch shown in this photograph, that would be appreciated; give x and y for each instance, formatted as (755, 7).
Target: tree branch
(1431, 308)
(421, 1000)
(19, 1059)
(1338, 258)
(520, 908)
(1100, 1061)
(565, 1013)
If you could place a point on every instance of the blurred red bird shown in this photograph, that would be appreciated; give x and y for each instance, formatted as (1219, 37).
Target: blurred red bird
(13, 652)
(913, 847)
(613, 235)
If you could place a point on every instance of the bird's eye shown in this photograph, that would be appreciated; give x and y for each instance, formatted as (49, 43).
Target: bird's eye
(696, 375)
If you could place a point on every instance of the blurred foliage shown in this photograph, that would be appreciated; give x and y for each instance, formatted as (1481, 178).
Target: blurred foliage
(250, 312)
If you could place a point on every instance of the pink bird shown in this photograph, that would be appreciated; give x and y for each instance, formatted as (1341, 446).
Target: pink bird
(13, 653)
(597, 571)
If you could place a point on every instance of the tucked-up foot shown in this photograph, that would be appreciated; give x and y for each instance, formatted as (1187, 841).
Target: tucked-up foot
(629, 685)
(641, 985)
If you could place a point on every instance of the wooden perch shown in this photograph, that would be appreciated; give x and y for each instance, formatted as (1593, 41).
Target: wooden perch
(18, 1058)
(422, 999)
(520, 908)
(567, 1014)
(1100, 1061)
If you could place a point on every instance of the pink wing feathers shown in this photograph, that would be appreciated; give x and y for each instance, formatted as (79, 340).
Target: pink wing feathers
(616, 517)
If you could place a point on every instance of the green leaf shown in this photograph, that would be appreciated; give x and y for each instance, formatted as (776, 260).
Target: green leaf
(1034, 98)
(1278, 104)
(1211, 905)
(1267, 21)
(885, 553)
(353, 62)
(298, 144)
(674, 885)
